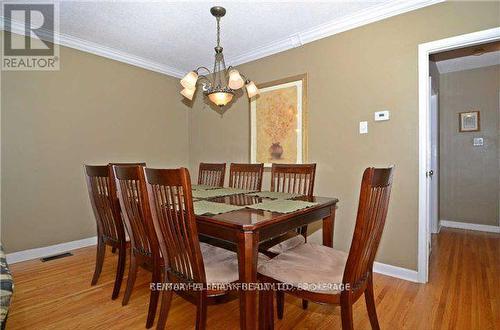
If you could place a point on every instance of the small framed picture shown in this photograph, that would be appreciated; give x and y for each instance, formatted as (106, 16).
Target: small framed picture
(468, 121)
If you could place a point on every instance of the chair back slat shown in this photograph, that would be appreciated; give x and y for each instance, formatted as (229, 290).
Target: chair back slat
(246, 176)
(212, 174)
(102, 194)
(372, 211)
(169, 193)
(132, 195)
(293, 178)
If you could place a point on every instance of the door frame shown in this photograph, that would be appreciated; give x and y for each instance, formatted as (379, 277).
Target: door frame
(424, 50)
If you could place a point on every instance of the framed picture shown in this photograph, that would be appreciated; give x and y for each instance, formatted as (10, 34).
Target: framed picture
(468, 121)
(278, 122)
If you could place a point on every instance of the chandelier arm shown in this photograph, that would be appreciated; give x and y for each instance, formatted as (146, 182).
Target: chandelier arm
(202, 67)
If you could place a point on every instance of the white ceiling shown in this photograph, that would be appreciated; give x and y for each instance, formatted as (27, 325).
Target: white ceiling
(176, 36)
(469, 62)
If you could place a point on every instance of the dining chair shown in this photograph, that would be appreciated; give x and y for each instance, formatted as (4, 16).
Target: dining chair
(246, 176)
(190, 263)
(212, 174)
(113, 250)
(333, 276)
(144, 251)
(110, 228)
(293, 179)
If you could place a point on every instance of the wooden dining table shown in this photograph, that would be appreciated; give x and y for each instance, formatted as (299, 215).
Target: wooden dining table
(247, 228)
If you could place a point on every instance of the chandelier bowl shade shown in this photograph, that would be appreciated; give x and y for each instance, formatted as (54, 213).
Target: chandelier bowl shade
(219, 84)
(221, 98)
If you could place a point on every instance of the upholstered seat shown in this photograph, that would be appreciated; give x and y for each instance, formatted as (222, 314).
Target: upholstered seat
(221, 265)
(288, 244)
(319, 266)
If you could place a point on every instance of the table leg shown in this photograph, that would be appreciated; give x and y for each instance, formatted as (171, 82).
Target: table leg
(328, 223)
(248, 243)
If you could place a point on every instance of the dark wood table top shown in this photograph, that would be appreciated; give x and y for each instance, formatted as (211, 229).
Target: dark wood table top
(252, 219)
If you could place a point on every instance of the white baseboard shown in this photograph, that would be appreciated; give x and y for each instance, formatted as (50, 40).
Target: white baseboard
(394, 271)
(470, 226)
(12, 258)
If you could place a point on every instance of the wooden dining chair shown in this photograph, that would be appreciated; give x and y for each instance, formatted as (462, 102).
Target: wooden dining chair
(110, 228)
(144, 252)
(212, 174)
(189, 262)
(334, 277)
(293, 179)
(246, 176)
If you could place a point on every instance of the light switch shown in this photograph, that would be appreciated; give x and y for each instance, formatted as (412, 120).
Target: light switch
(382, 115)
(478, 142)
(363, 127)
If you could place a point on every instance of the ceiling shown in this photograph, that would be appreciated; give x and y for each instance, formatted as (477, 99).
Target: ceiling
(469, 62)
(175, 37)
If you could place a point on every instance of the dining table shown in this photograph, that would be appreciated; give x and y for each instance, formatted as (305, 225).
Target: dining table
(248, 226)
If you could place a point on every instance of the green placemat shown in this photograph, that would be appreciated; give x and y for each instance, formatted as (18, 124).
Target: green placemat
(274, 195)
(203, 207)
(282, 205)
(203, 187)
(218, 192)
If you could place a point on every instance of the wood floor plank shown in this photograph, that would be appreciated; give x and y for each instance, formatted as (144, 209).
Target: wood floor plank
(463, 293)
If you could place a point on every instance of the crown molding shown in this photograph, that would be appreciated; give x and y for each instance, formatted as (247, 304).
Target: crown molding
(361, 18)
(100, 50)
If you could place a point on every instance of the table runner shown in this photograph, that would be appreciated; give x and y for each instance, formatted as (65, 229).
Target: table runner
(203, 187)
(274, 195)
(218, 192)
(282, 205)
(204, 207)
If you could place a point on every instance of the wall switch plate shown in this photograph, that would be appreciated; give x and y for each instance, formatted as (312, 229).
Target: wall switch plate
(478, 142)
(363, 127)
(382, 115)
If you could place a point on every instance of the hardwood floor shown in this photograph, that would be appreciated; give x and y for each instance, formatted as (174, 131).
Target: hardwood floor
(463, 293)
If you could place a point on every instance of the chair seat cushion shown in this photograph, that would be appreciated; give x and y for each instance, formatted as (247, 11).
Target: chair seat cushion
(288, 244)
(310, 267)
(221, 265)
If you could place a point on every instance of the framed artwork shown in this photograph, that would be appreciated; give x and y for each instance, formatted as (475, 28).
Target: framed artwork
(278, 122)
(468, 121)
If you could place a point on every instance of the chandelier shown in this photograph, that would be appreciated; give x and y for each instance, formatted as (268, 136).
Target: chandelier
(220, 84)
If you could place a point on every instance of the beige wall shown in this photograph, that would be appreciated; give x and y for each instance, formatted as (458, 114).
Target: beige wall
(351, 75)
(94, 110)
(469, 176)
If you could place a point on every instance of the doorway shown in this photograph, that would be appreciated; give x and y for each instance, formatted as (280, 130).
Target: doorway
(428, 188)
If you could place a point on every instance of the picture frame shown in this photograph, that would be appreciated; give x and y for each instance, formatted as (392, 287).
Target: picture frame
(469, 121)
(279, 121)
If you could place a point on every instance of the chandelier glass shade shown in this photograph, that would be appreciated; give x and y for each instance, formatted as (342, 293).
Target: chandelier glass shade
(220, 84)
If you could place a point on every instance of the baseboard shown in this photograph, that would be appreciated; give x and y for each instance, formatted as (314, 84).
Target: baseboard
(470, 226)
(15, 257)
(394, 271)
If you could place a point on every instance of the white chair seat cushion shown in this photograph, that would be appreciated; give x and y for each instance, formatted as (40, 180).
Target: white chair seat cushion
(311, 267)
(221, 265)
(288, 244)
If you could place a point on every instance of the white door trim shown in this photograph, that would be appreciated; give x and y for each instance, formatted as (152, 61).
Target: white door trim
(424, 50)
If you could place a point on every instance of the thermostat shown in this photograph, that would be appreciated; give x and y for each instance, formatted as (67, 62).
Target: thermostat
(381, 115)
